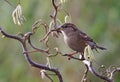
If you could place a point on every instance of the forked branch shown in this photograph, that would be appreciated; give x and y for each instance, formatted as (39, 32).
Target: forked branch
(23, 42)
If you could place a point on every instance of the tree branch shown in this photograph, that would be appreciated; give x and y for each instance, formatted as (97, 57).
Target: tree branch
(84, 79)
(37, 49)
(117, 69)
(10, 36)
(26, 54)
(55, 13)
(93, 71)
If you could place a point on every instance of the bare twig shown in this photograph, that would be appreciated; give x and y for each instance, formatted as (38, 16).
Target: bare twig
(55, 13)
(27, 56)
(84, 78)
(11, 36)
(37, 49)
(9, 3)
(117, 69)
(36, 25)
(46, 36)
(92, 70)
(49, 77)
(54, 17)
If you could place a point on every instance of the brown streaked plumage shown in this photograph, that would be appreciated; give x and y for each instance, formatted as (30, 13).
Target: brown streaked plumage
(76, 39)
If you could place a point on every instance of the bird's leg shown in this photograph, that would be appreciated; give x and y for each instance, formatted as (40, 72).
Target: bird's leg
(70, 55)
(82, 56)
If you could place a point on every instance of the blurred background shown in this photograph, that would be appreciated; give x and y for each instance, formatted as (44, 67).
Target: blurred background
(100, 19)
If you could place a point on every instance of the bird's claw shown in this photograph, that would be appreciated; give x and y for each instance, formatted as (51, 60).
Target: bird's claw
(69, 56)
(65, 54)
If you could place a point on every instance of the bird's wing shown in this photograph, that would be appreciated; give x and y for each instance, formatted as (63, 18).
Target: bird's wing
(85, 36)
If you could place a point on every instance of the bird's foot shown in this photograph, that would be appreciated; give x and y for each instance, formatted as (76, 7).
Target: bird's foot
(69, 56)
(65, 54)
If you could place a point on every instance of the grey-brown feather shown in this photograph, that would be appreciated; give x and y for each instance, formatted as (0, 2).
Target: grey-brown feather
(76, 39)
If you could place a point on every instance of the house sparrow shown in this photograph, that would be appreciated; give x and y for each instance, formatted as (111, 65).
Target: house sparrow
(76, 39)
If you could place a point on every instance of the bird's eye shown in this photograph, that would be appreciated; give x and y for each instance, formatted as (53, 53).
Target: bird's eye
(65, 26)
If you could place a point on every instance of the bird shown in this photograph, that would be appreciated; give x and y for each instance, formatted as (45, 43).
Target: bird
(76, 39)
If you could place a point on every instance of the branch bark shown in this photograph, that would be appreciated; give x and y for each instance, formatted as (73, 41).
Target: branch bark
(23, 42)
(93, 71)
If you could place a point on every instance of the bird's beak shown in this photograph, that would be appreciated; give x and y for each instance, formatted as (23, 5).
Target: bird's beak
(59, 28)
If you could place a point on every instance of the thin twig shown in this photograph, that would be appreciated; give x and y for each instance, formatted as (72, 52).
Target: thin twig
(85, 74)
(11, 36)
(55, 13)
(46, 36)
(117, 69)
(23, 41)
(57, 52)
(9, 3)
(49, 77)
(92, 70)
(36, 25)
(37, 49)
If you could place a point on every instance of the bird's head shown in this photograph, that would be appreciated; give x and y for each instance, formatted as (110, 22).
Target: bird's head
(67, 28)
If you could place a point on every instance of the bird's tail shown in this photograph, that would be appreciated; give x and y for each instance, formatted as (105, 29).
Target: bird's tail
(102, 48)
(95, 46)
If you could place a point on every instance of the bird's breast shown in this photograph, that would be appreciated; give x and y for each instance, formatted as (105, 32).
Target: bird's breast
(74, 42)
(65, 37)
